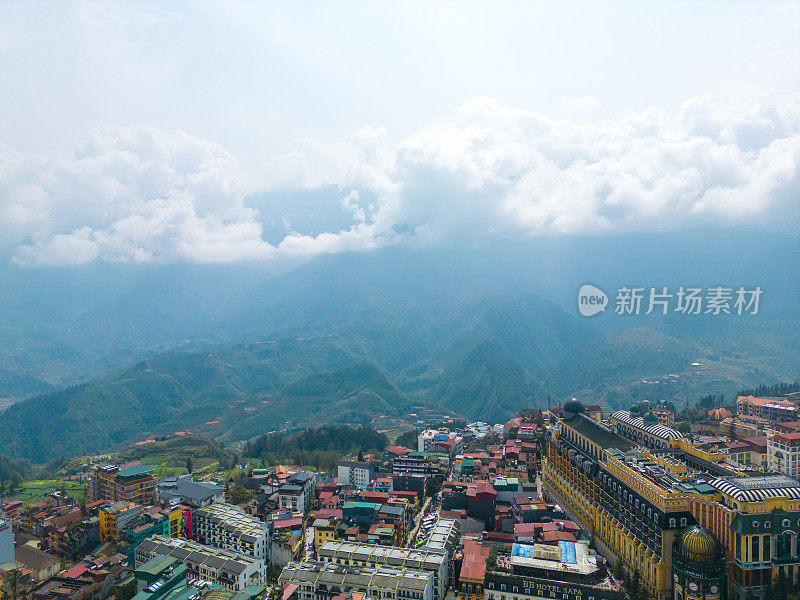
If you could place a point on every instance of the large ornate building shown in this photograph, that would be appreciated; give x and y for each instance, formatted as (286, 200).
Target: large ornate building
(638, 494)
(698, 566)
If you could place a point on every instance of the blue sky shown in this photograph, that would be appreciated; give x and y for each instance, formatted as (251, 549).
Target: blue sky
(133, 131)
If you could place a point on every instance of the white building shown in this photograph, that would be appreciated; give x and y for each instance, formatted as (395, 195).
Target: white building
(440, 440)
(6, 542)
(374, 555)
(232, 570)
(321, 581)
(182, 489)
(296, 494)
(229, 527)
(783, 454)
(355, 473)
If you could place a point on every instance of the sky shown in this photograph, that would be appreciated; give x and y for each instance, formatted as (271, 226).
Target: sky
(139, 131)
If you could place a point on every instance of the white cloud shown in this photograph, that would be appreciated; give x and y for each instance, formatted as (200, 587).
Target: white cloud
(486, 170)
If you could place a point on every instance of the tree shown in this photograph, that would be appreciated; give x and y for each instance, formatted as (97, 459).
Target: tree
(618, 572)
(432, 487)
(491, 560)
(239, 495)
(189, 465)
(360, 455)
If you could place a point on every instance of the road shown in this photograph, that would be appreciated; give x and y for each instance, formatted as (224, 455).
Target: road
(309, 544)
(417, 520)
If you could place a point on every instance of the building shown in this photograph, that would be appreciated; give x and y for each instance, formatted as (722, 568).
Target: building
(322, 581)
(777, 410)
(757, 521)
(113, 484)
(698, 566)
(324, 530)
(783, 453)
(6, 542)
(371, 555)
(356, 473)
(415, 464)
(443, 536)
(115, 519)
(41, 564)
(232, 570)
(631, 503)
(184, 490)
(440, 440)
(665, 416)
(159, 576)
(568, 571)
(229, 527)
(645, 430)
(296, 494)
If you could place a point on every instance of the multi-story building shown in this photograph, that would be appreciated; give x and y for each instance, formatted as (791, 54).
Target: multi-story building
(567, 570)
(232, 570)
(355, 473)
(665, 416)
(6, 542)
(645, 430)
(115, 518)
(757, 521)
(133, 484)
(440, 440)
(622, 499)
(184, 490)
(229, 527)
(371, 555)
(416, 464)
(297, 492)
(668, 514)
(777, 410)
(783, 453)
(322, 581)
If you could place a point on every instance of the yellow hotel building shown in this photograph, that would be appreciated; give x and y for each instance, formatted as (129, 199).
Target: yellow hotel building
(643, 497)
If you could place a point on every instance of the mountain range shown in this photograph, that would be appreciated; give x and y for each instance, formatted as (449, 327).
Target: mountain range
(102, 355)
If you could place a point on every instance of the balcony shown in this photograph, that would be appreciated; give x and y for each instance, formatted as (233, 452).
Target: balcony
(752, 566)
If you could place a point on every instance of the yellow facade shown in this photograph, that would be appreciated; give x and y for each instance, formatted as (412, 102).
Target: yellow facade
(322, 535)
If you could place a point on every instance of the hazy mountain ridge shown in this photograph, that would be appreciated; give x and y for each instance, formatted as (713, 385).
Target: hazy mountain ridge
(467, 329)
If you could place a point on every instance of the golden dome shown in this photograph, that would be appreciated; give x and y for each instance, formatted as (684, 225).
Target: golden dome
(698, 544)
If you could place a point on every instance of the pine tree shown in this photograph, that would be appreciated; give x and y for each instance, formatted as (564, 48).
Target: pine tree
(189, 465)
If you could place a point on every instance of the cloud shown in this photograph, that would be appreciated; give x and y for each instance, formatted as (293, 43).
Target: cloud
(482, 172)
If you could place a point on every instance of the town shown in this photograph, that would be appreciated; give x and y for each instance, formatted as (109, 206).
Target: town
(569, 503)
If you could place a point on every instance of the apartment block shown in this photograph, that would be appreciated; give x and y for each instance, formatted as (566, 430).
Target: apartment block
(229, 527)
(372, 555)
(113, 484)
(322, 581)
(232, 570)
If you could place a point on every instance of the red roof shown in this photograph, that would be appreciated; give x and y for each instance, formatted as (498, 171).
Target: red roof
(397, 450)
(288, 523)
(288, 590)
(558, 536)
(762, 401)
(327, 513)
(473, 566)
(525, 529)
(76, 572)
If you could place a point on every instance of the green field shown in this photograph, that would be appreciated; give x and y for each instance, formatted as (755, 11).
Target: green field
(38, 489)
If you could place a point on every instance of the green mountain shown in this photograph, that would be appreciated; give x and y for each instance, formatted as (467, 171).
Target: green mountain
(480, 331)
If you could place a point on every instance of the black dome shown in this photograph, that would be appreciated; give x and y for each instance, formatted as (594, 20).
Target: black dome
(573, 407)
